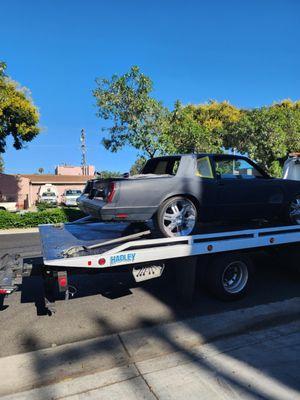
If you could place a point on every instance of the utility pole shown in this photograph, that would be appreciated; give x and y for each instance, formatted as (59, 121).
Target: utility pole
(83, 151)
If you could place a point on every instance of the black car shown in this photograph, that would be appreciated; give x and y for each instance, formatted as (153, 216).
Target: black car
(178, 191)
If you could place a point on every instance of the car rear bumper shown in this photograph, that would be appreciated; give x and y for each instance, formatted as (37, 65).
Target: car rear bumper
(70, 202)
(48, 201)
(107, 212)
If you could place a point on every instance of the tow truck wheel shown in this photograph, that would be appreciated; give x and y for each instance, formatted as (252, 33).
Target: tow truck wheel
(228, 276)
(293, 214)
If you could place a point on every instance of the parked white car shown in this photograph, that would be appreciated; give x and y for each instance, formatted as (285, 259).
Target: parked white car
(70, 196)
(48, 194)
(9, 206)
(291, 168)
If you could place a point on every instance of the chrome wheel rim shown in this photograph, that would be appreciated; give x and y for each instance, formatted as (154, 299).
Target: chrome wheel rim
(179, 218)
(294, 212)
(235, 277)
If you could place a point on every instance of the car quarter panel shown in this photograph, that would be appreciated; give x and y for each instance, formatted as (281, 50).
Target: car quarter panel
(148, 194)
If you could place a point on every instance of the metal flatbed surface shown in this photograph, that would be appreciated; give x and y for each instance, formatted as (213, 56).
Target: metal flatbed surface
(56, 238)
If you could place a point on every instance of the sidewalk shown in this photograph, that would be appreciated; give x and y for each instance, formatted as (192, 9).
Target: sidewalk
(246, 354)
(17, 231)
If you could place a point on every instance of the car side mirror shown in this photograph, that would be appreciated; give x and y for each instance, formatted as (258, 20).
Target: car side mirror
(218, 175)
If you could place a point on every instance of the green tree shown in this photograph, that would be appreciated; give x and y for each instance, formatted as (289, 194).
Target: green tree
(200, 128)
(268, 134)
(18, 115)
(1, 164)
(138, 165)
(136, 118)
(109, 174)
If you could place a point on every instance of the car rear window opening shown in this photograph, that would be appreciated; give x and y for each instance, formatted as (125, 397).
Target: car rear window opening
(162, 166)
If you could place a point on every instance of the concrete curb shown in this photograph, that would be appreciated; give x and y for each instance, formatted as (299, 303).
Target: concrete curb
(43, 367)
(18, 231)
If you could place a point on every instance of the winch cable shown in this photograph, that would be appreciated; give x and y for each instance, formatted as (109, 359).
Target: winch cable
(71, 251)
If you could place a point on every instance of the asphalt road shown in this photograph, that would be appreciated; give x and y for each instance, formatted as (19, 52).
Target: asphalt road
(25, 243)
(108, 304)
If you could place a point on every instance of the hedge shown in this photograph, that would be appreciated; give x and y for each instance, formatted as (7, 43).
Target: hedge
(32, 219)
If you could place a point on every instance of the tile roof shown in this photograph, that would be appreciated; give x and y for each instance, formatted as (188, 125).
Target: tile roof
(51, 178)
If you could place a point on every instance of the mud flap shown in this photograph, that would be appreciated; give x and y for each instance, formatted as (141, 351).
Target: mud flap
(186, 279)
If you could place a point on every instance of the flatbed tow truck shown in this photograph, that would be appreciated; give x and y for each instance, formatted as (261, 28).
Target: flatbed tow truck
(222, 260)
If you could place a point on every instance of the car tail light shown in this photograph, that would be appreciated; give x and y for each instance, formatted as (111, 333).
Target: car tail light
(111, 192)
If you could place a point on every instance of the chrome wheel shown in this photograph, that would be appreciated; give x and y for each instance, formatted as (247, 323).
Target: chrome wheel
(235, 277)
(294, 211)
(179, 217)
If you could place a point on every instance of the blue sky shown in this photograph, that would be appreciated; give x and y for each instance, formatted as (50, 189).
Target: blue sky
(246, 52)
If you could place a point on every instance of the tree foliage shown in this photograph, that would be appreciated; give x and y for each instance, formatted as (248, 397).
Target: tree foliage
(137, 166)
(1, 164)
(267, 134)
(200, 128)
(137, 119)
(18, 115)
(109, 174)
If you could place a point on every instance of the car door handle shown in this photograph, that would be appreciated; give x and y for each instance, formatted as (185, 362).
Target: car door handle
(220, 183)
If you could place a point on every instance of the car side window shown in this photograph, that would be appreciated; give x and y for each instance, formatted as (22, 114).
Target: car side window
(204, 169)
(234, 168)
(161, 167)
(174, 167)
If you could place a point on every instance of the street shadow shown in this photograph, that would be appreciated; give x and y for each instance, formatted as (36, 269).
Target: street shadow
(62, 363)
(279, 287)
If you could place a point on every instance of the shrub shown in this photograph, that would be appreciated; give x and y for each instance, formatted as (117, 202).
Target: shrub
(33, 219)
(42, 206)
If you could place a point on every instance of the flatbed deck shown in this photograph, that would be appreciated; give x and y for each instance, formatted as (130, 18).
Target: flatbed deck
(93, 247)
(57, 239)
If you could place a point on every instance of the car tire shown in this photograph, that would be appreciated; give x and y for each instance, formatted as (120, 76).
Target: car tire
(180, 212)
(292, 214)
(228, 276)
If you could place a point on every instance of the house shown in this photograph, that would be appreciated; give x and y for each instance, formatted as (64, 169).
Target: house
(24, 188)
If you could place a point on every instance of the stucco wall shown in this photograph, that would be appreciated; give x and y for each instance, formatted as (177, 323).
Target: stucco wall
(23, 191)
(70, 170)
(15, 188)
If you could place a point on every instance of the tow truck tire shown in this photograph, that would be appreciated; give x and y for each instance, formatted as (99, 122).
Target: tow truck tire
(292, 214)
(228, 276)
